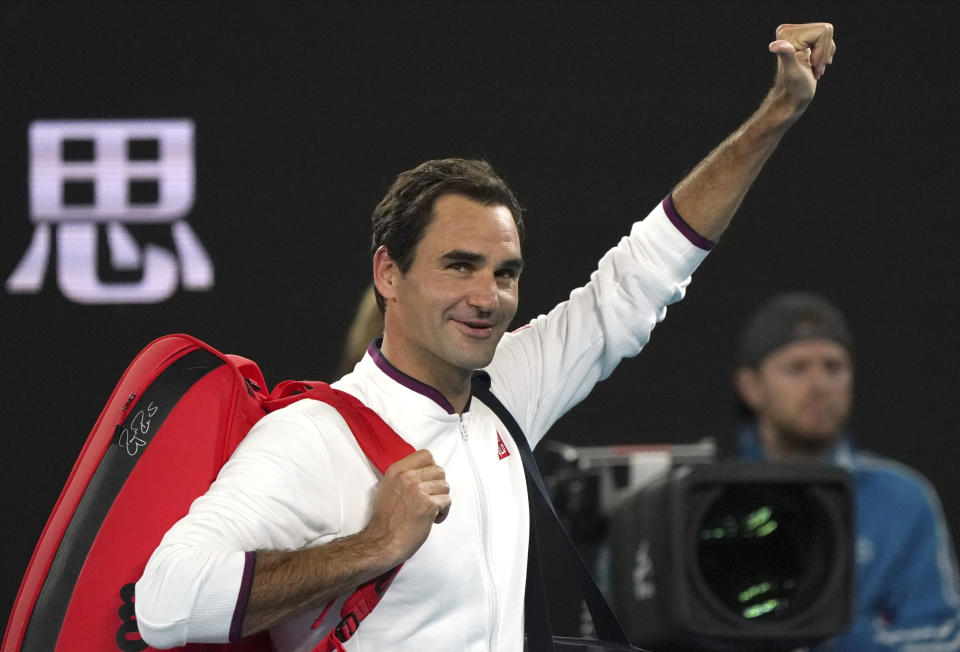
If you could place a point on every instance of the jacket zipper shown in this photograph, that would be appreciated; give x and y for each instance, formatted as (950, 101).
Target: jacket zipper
(484, 536)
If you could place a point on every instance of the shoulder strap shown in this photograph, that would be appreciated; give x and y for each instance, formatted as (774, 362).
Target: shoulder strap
(382, 446)
(379, 442)
(539, 631)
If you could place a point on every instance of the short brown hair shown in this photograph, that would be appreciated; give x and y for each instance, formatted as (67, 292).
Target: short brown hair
(401, 218)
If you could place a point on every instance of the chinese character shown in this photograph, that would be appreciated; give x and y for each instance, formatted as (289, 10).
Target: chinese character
(87, 173)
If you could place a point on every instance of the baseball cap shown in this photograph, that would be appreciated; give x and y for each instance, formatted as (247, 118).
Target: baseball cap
(789, 317)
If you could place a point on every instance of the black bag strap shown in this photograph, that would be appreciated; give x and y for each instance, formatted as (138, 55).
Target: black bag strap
(539, 631)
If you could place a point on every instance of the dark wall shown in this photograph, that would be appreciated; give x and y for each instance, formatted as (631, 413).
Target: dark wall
(304, 113)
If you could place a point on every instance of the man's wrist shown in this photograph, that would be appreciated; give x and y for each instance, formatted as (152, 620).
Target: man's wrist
(779, 110)
(378, 548)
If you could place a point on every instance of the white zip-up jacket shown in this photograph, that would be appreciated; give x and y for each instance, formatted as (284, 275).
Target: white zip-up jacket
(300, 479)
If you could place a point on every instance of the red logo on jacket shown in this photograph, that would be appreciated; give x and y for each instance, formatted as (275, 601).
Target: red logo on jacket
(502, 451)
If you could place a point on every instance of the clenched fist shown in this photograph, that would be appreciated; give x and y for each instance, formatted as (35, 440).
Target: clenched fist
(803, 53)
(412, 496)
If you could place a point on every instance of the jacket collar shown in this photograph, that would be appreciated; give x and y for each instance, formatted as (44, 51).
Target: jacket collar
(411, 383)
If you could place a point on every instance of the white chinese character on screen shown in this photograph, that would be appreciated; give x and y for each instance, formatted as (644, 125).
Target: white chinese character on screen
(85, 173)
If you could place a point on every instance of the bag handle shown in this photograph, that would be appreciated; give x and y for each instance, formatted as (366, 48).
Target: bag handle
(249, 371)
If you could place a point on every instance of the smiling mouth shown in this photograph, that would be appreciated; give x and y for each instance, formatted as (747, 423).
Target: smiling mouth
(475, 328)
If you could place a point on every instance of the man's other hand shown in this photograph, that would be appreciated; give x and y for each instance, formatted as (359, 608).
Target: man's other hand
(412, 496)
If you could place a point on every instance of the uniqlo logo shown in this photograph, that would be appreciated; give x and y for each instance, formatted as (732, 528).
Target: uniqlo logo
(502, 451)
(87, 175)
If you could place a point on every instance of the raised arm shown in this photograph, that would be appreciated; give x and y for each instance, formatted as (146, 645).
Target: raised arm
(709, 196)
(544, 369)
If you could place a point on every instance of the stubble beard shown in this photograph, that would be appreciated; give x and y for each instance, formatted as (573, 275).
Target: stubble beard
(475, 357)
(809, 442)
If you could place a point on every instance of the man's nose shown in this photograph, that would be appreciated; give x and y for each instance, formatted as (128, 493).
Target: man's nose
(484, 294)
(822, 379)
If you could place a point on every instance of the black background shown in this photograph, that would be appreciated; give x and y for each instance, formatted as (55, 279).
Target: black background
(305, 112)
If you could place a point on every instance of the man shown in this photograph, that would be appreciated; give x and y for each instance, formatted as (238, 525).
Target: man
(298, 517)
(796, 378)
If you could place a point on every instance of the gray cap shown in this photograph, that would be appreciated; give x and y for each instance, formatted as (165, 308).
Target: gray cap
(789, 317)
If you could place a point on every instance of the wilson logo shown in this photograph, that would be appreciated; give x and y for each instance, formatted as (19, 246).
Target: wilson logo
(128, 636)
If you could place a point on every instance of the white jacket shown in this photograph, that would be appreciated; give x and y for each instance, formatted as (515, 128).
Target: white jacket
(300, 479)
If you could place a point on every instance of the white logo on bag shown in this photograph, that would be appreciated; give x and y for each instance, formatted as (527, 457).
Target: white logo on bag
(86, 173)
(130, 437)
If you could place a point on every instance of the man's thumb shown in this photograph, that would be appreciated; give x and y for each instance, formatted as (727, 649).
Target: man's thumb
(785, 51)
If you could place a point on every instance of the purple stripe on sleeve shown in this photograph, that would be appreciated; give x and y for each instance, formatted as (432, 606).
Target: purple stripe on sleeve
(405, 380)
(695, 238)
(240, 611)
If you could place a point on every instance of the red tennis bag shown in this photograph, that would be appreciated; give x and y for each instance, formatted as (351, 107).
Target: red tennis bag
(175, 417)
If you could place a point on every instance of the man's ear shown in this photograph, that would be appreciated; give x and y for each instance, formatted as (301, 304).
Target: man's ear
(747, 382)
(385, 273)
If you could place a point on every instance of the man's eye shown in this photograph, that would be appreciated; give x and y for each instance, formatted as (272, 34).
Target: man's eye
(835, 367)
(458, 267)
(795, 369)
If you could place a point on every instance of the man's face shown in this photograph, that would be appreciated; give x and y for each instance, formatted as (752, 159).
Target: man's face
(801, 394)
(447, 313)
